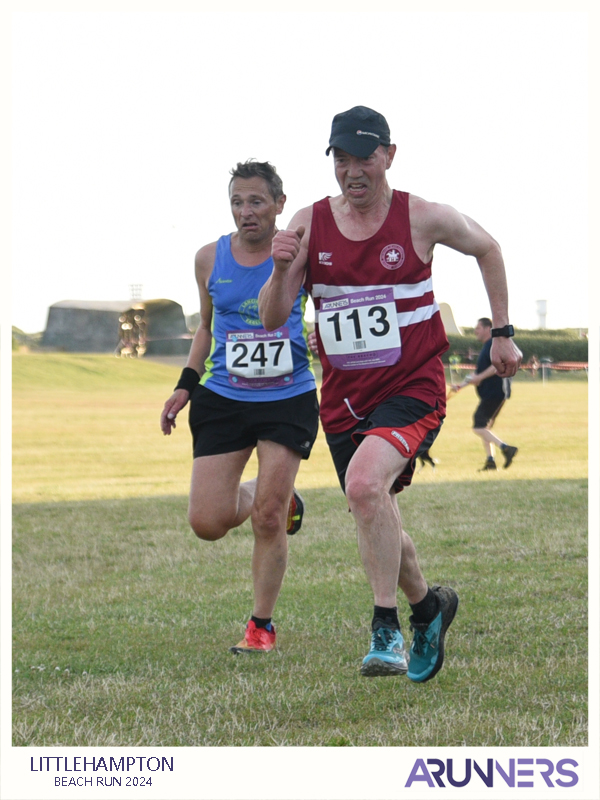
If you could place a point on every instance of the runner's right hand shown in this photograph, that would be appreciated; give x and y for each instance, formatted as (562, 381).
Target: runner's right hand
(286, 246)
(171, 408)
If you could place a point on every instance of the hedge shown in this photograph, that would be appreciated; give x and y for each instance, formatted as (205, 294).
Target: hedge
(559, 345)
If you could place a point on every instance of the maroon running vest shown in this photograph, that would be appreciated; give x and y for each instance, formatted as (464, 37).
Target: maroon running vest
(379, 328)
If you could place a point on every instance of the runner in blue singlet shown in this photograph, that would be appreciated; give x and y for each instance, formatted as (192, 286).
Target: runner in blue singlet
(249, 389)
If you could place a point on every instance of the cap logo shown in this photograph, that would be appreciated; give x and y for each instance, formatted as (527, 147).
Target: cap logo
(392, 256)
(367, 133)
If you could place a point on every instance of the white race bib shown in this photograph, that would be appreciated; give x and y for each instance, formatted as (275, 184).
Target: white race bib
(360, 330)
(259, 359)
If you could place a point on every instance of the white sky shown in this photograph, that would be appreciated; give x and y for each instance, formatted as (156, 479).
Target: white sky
(125, 126)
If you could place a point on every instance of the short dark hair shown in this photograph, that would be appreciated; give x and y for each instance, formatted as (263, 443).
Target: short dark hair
(485, 321)
(259, 169)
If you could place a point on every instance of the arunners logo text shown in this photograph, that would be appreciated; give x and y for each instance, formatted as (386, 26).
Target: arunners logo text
(515, 772)
(392, 256)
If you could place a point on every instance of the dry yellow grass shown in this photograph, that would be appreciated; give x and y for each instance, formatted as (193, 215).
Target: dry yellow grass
(86, 427)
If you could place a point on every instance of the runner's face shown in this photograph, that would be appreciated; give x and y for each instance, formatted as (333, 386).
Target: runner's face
(254, 209)
(481, 332)
(362, 180)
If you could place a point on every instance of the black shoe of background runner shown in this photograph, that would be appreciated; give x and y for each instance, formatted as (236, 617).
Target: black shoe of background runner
(509, 453)
(490, 464)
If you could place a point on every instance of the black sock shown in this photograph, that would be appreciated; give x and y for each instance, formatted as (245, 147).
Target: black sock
(426, 609)
(385, 618)
(262, 623)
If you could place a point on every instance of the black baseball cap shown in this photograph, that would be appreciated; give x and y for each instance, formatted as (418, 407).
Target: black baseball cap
(358, 131)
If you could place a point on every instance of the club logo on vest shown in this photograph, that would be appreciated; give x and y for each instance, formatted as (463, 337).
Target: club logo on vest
(248, 311)
(325, 259)
(392, 256)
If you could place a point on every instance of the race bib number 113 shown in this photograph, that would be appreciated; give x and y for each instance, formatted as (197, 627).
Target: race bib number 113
(360, 330)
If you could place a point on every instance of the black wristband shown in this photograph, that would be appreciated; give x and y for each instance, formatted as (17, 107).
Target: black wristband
(188, 380)
(506, 331)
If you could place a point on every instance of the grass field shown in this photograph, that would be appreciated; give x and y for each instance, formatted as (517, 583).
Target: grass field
(86, 427)
(122, 619)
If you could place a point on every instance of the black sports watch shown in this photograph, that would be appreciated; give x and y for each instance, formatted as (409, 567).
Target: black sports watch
(507, 330)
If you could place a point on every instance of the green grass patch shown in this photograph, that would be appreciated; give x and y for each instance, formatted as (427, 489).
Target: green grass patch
(122, 619)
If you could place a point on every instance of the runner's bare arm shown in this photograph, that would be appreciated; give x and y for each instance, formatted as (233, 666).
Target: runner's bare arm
(290, 255)
(205, 259)
(200, 347)
(436, 223)
(478, 378)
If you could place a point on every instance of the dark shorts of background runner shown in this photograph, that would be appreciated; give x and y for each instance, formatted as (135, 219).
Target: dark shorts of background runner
(221, 425)
(487, 411)
(396, 412)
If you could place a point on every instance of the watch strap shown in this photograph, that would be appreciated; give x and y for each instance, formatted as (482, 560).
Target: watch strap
(507, 330)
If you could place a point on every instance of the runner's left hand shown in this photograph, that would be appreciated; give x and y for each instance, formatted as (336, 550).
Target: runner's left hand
(506, 356)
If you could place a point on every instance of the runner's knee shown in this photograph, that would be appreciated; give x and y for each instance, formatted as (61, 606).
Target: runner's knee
(268, 518)
(207, 528)
(362, 494)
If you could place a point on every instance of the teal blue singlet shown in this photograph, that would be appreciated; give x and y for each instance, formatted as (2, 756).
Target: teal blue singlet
(246, 362)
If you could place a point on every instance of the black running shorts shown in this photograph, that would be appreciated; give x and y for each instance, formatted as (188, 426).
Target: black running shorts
(220, 425)
(410, 425)
(487, 411)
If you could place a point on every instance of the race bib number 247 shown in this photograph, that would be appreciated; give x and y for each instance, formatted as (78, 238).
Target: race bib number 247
(259, 359)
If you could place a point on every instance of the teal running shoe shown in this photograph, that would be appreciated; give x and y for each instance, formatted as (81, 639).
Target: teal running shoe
(387, 655)
(427, 649)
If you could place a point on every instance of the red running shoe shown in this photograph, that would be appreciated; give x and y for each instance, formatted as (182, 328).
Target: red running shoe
(256, 640)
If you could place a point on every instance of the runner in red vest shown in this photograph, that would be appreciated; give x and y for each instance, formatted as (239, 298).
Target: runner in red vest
(365, 256)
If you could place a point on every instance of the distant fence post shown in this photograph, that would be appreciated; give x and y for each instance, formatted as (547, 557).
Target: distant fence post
(546, 368)
(453, 361)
